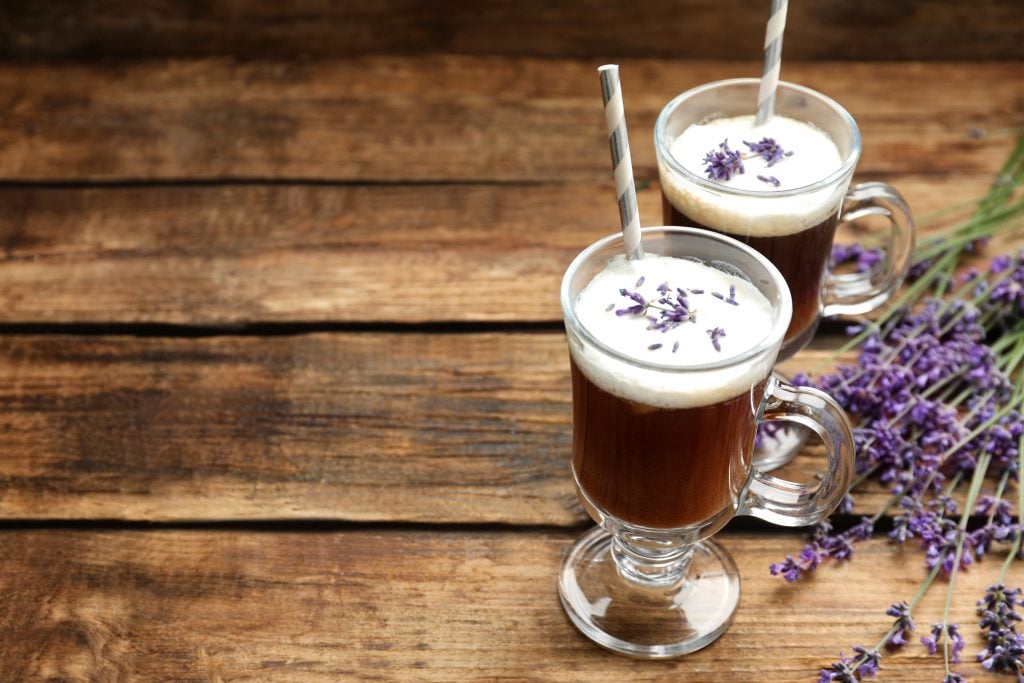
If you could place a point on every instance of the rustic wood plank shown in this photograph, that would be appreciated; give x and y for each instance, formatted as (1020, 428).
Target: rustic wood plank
(436, 118)
(351, 426)
(199, 605)
(838, 29)
(248, 254)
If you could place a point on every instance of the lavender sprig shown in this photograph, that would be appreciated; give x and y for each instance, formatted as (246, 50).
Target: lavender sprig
(769, 150)
(669, 310)
(723, 163)
(937, 396)
(1004, 646)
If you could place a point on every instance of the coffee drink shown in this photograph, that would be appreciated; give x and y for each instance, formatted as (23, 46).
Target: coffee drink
(769, 201)
(651, 447)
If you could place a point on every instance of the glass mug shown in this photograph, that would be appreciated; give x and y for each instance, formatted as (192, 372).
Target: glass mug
(794, 228)
(659, 480)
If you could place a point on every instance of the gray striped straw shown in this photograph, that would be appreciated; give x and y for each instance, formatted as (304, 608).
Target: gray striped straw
(772, 61)
(618, 142)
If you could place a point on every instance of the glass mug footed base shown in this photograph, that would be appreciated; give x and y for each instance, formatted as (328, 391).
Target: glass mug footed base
(658, 621)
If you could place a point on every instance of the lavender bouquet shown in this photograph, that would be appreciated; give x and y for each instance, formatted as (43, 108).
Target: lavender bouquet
(936, 398)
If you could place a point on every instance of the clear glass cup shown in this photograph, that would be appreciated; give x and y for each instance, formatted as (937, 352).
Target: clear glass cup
(794, 228)
(647, 581)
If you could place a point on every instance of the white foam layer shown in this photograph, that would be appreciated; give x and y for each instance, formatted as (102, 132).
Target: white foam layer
(815, 156)
(746, 325)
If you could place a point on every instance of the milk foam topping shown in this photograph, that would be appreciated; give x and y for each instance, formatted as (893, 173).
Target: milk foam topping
(727, 317)
(814, 157)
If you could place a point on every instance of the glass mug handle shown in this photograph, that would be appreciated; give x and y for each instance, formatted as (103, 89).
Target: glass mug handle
(788, 503)
(859, 293)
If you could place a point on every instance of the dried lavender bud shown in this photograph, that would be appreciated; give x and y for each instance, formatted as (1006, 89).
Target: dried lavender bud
(732, 296)
(641, 303)
(904, 624)
(610, 307)
(716, 334)
(770, 179)
(864, 259)
(675, 347)
(654, 347)
(852, 669)
(769, 150)
(640, 282)
(696, 291)
(718, 296)
(1004, 650)
(724, 163)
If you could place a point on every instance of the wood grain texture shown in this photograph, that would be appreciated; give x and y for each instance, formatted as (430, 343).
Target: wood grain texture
(452, 428)
(248, 254)
(447, 118)
(415, 605)
(831, 29)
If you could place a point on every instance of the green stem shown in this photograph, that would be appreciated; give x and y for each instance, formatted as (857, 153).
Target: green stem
(972, 498)
(1016, 547)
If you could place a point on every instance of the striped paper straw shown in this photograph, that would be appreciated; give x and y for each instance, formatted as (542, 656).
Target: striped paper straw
(618, 141)
(772, 61)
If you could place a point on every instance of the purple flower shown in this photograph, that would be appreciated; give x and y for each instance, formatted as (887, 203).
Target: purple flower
(903, 626)
(724, 163)
(952, 635)
(852, 669)
(1004, 646)
(641, 303)
(772, 180)
(790, 569)
(769, 150)
(864, 259)
(716, 334)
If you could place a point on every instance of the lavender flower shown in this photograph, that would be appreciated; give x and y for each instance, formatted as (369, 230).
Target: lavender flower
(638, 309)
(724, 163)
(716, 334)
(771, 180)
(769, 150)
(952, 634)
(852, 669)
(1004, 646)
(935, 398)
(903, 626)
(863, 259)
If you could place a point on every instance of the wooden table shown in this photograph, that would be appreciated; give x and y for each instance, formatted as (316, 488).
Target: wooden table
(284, 393)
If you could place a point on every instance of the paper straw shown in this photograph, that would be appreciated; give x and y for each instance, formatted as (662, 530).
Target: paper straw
(772, 61)
(618, 142)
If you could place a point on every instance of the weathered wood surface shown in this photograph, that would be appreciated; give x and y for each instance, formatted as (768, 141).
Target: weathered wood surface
(447, 428)
(833, 29)
(447, 118)
(248, 254)
(196, 605)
